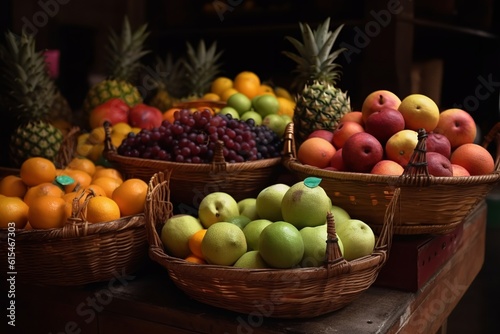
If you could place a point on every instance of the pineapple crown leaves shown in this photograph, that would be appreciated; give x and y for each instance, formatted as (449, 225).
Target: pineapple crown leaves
(125, 51)
(172, 73)
(202, 65)
(25, 79)
(314, 58)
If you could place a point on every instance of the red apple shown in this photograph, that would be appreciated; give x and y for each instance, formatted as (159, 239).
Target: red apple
(361, 152)
(114, 110)
(337, 163)
(438, 164)
(459, 170)
(437, 142)
(383, 123)
(343, 131)
(145, 117)
(322, 133)
(458, 126)
(377, 100)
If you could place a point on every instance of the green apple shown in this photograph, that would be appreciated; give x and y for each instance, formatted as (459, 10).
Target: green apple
(176, 232)
(231, 111)
(287, 119)
(340, 216)
(217, 207)
(266, 104)
(276, 123)
(251, 260)
(239, 102)
(248, 208)
(268, 202)
(240, 221)
(252, 232)
(315, 245)
(358, 239)
(253, 115)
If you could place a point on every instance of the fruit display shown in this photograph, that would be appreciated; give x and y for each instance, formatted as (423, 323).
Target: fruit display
(278, 231)
(381, 138)
(319, 104)
(42, 196)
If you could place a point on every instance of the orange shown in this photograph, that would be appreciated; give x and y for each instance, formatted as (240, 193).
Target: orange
(316, 152)
(220, 84)
(473, 157)
(211, 97)
(266, 89)
(108, 171)
(247, 75)
(107, 183)
(13, 185)
(287, 107)
(82, 164)
(400, 146)
(13, 209)
(225, 95)
(47, 212)
(169, 114)
(195, 259)
(387, 167)
(102, 209)
(37, 170)
(353, 116)
(131, 196)
(97, 190)
(43, 189)
(247, 87)
(82, 179)
(194, 243)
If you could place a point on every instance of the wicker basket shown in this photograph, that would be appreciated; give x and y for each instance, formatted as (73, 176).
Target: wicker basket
(276, 293)
(78, 253)
(428, 204)
(190, 182)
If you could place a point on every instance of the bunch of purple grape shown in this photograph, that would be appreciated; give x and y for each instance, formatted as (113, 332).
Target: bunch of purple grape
(192, 138)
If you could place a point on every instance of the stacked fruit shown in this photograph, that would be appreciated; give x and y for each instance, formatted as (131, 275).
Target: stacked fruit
(42, 196)
(381, 138)
(193, 137)
(277, 229)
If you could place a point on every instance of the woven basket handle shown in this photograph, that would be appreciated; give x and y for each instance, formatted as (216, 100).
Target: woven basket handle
(416, 172)
(77, 224)
(108, 144)
(158, 206)
(494, 133)
(68, 148)
(289, 149)
(384, 240)
(219, 164)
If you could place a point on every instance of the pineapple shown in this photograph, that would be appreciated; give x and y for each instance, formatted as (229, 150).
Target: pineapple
(169, 91)
(319, 104)
(201, 66)
(124, 53)
(29, 95)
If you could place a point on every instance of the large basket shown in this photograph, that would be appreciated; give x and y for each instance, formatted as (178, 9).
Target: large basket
(190, 182)
(290, 293)
(78, 253)
(428, 204)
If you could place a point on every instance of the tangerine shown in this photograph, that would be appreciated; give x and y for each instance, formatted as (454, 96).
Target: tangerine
(13, 209)
(131, 196)
(47, 212)
(195, 243)
(220, 84)
(37, 170)
(81, 179)
(102, 209)
(195, 259)
(247, 87)
(41, 190)
(316, 152)
(13, 185)
(225, 95)
(107, 183)
(83, 164)
(110, 172)
(169, 114)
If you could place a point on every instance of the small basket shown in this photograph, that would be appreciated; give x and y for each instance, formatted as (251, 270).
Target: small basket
(78, 253)
(428, 204)
(190, 182)
(275, 293)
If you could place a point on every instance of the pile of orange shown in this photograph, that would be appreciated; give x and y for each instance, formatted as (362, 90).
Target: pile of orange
(42, 197)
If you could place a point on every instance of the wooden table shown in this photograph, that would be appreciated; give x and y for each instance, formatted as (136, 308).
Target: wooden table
(149, 303)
